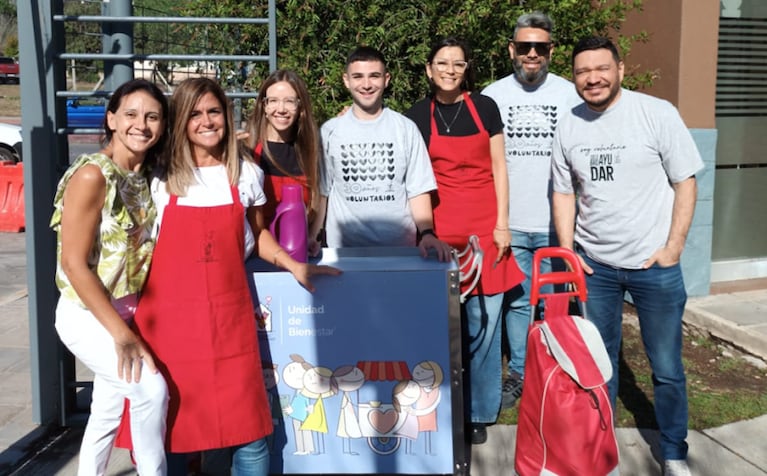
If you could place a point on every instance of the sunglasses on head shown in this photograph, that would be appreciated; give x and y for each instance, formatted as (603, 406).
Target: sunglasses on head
(524, 47)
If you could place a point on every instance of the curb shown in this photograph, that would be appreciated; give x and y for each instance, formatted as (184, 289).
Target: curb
(751, 342)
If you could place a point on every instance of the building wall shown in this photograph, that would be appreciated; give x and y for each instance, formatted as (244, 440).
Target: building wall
(682, 47)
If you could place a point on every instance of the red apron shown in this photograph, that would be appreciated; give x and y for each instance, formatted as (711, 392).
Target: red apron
(196, 315)
(273, 188)
(465, 201)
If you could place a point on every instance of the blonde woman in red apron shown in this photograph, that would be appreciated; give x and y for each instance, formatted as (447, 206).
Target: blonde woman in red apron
(197, 313)
(464, 134)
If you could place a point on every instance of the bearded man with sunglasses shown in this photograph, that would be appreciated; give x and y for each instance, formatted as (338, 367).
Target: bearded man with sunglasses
(531, 101)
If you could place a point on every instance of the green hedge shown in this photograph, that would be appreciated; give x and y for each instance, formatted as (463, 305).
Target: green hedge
(314, 37)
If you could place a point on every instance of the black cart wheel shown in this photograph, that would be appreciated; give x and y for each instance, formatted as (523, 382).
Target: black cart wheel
(383, 445)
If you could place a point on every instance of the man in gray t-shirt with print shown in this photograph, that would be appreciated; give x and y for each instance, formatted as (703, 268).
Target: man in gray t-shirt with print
(630, 163)
(531, 101)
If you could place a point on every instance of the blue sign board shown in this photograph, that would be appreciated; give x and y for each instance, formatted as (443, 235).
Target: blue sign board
(363, 374)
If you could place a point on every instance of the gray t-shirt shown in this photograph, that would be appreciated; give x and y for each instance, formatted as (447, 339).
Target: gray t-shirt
(621, 164)
(530, 116)
(369, 171)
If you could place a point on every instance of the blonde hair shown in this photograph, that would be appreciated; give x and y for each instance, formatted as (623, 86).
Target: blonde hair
(178, 162)
(436, 369)
(304, 130)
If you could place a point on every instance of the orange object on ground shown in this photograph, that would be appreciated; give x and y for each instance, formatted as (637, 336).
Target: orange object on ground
(11, 197)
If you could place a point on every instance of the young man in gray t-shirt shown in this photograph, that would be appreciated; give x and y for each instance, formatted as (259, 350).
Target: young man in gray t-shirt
(375, 175)
(629, 162)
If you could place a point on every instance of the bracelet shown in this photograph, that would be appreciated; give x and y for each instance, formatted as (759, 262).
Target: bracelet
(274, 258)
(428, 231)
(499, 228)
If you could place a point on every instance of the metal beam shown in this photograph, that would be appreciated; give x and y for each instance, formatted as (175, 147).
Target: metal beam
(160, 57)
(210, 20)
(45, 158)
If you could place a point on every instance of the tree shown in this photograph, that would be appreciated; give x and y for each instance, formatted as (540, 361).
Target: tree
(9, 41)
(314, 37)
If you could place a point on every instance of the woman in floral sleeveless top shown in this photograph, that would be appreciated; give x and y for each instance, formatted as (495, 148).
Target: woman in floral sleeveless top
(103, 218)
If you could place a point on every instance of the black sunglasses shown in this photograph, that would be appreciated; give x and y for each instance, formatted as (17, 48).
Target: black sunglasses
(524, 47)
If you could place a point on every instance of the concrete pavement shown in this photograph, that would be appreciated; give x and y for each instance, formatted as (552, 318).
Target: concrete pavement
(737, 315)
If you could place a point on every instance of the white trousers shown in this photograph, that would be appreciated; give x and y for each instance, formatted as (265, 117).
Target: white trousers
(90, 342)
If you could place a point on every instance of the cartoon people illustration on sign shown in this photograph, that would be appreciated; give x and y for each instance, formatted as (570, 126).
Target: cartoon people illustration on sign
(318, 384)
(349, 380)
(428, 375)
(385, 426)
(298, 410)
(404, 395)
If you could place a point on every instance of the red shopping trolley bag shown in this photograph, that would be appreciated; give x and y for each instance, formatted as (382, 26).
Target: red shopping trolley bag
(565, 419)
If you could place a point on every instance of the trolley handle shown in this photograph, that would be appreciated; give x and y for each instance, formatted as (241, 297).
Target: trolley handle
(574, 276)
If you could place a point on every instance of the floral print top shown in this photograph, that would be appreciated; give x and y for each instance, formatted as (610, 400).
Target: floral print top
(122, 248)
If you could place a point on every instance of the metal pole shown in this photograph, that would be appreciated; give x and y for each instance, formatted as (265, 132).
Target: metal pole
(272, 35)
(118, 39)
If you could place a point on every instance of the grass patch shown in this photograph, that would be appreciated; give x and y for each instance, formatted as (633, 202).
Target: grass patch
(10, 100)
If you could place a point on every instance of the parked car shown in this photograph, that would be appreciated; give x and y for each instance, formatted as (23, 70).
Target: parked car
(86, 113)
(9, 70)
(10, 143)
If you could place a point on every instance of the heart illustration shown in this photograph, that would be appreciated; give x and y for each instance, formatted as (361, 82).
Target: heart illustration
(383, 421)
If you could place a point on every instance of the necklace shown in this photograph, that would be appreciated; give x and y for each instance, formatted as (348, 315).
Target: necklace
(442, 118)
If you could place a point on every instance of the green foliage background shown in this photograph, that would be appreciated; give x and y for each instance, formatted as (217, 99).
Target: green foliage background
(314, 37)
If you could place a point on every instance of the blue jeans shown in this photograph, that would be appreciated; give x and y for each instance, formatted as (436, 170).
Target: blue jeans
(482, 344)
(659, 296)
(251, 459)
(517, 318)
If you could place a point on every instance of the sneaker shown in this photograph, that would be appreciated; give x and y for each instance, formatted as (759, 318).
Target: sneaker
(511, 390)
(676, 467)
(478, 433)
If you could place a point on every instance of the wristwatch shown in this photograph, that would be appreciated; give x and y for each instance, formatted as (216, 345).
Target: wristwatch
(427, 231)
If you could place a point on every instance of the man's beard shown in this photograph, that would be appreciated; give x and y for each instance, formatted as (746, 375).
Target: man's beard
(529, 77)
(602, 104)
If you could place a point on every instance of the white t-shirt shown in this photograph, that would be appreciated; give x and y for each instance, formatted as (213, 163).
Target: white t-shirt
(622, 164)
(530, 116)
(213, 189)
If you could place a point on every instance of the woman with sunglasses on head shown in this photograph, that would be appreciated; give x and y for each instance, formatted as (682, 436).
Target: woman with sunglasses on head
(285, 140)
(196, 312)
(464, 135)
(103, 217)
